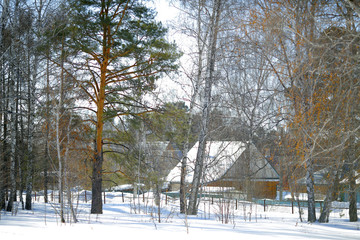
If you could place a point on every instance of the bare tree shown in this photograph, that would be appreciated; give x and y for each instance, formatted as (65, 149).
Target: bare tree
(193, 28)
(209, 79)
(3, 115)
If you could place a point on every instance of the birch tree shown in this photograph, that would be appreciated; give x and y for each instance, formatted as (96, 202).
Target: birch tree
(206, 106)
(193, 27)
(14, 76)
(247, 90)
(291, 33)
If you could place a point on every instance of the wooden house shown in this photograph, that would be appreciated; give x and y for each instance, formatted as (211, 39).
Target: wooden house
(231, 164)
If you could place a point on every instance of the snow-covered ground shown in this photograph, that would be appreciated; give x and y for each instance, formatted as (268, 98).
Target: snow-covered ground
(139, 220)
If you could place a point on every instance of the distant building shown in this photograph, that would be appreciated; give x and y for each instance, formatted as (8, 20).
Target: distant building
(323, 181)
(231, 164)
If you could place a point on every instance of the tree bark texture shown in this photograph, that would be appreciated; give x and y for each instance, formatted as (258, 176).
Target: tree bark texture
(3, 116)
(199, 163)
(325, 214)
(31, 156)
(310, 190)
(96, 181)
(12, 159)
(353, 217)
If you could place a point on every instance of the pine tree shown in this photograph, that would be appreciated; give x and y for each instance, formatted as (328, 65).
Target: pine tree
(124, 51)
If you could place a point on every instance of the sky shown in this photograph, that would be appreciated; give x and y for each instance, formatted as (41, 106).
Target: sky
(166, 10)
(169, 87)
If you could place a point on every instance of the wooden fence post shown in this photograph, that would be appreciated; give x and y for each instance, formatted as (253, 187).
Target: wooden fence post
(264, 205)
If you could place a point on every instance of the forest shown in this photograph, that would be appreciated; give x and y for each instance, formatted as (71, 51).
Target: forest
(80, 95)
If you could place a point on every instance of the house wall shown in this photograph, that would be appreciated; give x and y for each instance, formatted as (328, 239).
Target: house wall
(319, 189)
(261, 189)
(174, 187)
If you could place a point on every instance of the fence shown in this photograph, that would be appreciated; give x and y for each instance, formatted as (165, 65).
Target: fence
(208, 197)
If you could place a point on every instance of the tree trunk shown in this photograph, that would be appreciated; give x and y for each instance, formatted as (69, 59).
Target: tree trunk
(4, 149)
(68, 176)
(47, 132)
(324, 216)
(20, 129)
(353, 217)
(310, 190)
(281, 178)
(2, 158)
(59, 113)
(249, 189)
(14, 74)
(199, 163)
(31, 111)
(200, 50)
(96, 201)
(12, 159)
(183, 188)
(183, 184)
(4, 106)
(333, 182)
(60, 167)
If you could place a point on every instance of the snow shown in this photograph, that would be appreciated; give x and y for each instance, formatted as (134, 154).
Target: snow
(138, 220)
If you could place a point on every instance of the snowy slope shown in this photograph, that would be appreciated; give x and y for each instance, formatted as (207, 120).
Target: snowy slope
(124, 220)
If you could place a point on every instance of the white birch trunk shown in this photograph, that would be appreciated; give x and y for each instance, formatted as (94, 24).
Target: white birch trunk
(67, 177)
(12, 103)
(200, 51)
(199, 163)
(59, 141)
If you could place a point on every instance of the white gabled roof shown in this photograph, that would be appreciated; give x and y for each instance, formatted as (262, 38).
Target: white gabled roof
(219, 157)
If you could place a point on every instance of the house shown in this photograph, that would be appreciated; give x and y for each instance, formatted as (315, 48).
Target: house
(231, 164)
(345, 188)
(320, 177)
(322, 182)
(161, 157)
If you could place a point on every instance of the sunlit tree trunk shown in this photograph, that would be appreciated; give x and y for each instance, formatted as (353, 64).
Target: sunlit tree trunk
(333, 179)
(59, 113)
(194, 94)
(47, 132)
(210, 72)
